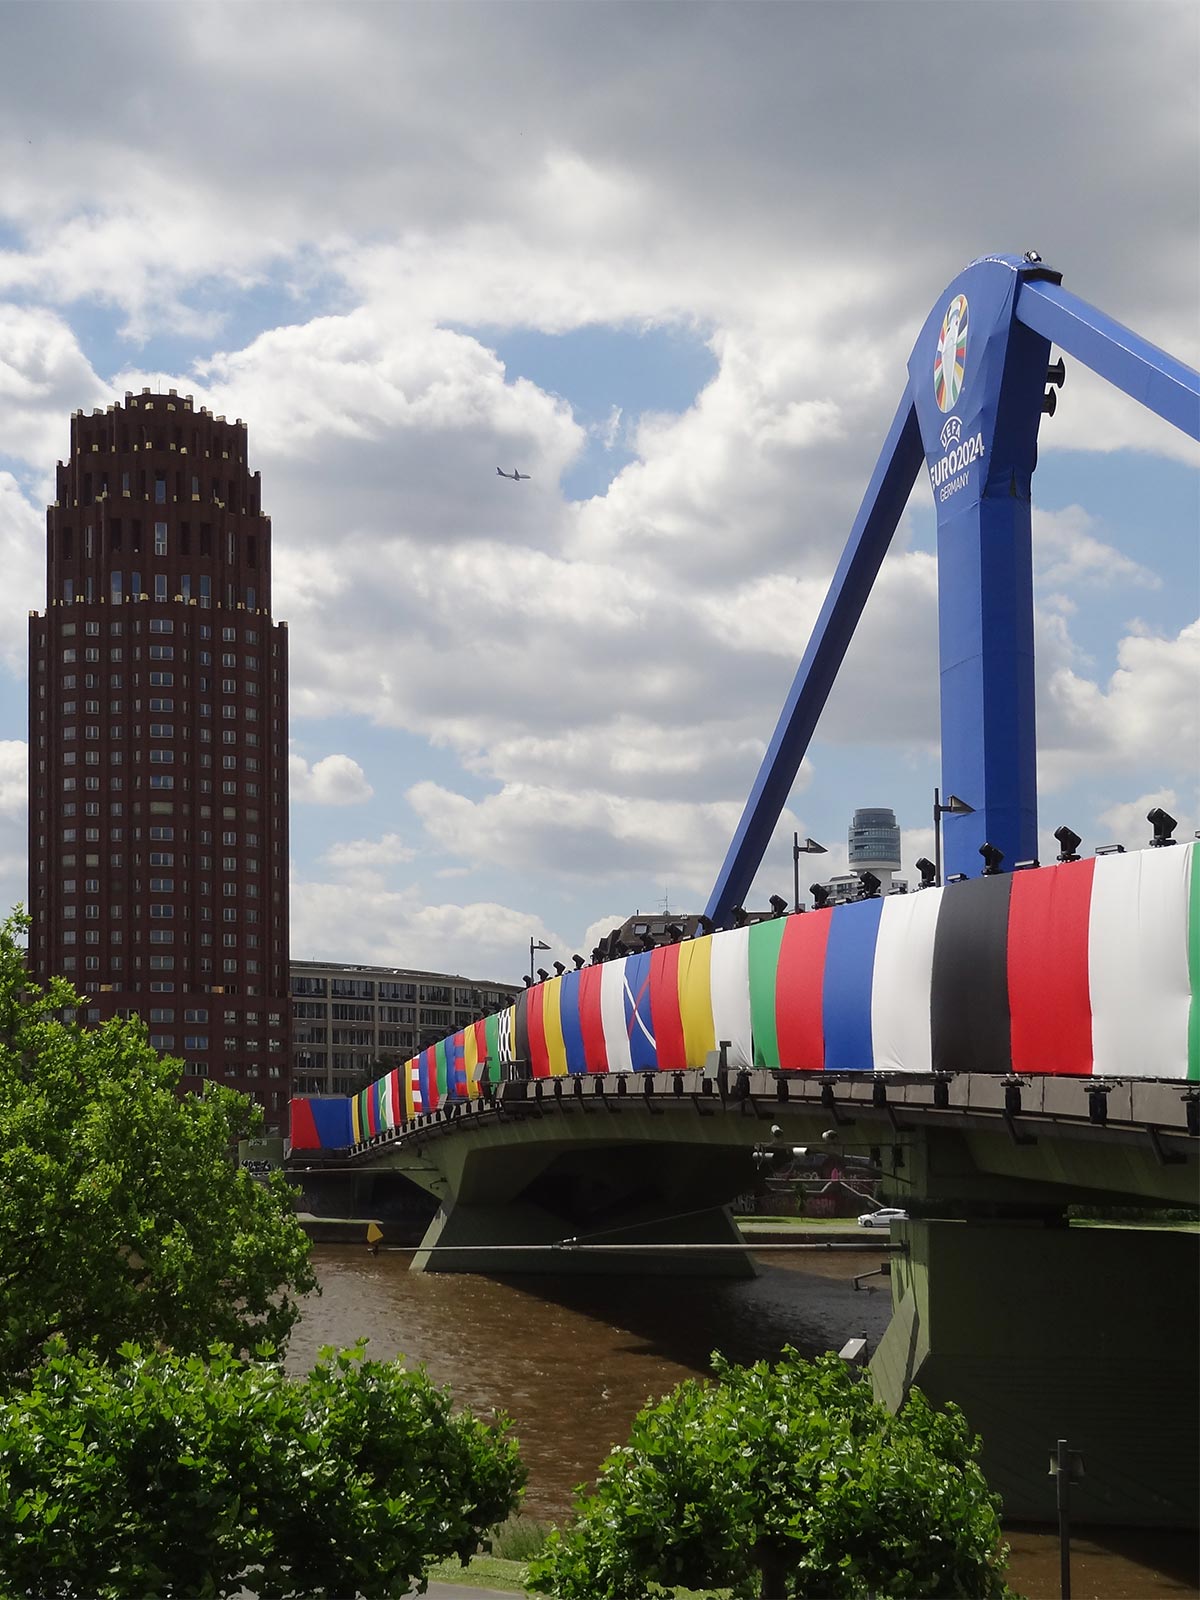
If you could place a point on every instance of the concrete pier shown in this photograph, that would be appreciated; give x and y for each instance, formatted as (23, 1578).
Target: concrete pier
(1042, 1333)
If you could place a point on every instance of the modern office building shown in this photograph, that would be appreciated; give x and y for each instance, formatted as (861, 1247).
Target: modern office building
(158, 822)
(874, 844)
(348, 1020)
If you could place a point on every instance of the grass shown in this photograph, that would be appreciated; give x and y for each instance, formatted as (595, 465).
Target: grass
(494, 1572)
(484, 1572)
(796, 1222)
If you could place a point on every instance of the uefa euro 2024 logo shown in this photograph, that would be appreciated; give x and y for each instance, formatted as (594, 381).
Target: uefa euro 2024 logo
(951, 355)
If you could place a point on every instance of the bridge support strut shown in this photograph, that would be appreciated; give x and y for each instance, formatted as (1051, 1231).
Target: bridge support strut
(1046, 1333)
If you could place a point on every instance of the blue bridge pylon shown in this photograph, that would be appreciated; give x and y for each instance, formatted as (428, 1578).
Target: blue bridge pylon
(977, 387)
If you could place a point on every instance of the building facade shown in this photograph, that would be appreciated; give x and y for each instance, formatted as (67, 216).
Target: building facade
(158, 822)
(349, 1023)
(874, 844)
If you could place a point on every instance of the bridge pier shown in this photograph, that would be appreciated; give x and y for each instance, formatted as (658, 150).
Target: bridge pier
(1043, 1333)
(523, 1237)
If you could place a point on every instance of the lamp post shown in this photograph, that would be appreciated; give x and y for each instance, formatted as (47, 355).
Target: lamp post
(534, 944)
(1066, 1468)
(810, 847)
(953, 807)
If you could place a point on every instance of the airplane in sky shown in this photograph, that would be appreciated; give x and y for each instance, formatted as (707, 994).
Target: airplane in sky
(515, 476)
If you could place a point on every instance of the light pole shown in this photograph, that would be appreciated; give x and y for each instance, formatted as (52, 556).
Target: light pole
(810, 847)
(534, 944)
(953, 807)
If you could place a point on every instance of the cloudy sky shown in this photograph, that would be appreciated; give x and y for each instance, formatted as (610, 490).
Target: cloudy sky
(669, 259)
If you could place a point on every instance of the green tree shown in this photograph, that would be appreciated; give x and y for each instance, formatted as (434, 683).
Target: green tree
(167, 1475)
(790, 1481)
(122, 1213)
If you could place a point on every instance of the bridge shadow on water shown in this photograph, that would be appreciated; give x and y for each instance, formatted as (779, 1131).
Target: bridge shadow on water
(806, 1300)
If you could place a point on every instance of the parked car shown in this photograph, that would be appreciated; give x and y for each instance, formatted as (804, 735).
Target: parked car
(883, 1218)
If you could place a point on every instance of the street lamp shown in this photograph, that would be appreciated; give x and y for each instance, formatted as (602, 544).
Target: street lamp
(810, 847)
(534, 944)
(953, 807)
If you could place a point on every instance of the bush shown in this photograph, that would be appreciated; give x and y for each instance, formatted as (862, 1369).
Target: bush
(790, 1481)
(172, 1476)
(122, 1213)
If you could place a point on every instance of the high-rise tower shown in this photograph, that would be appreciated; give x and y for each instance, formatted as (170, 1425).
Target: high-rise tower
(874, 843)
(158, 824)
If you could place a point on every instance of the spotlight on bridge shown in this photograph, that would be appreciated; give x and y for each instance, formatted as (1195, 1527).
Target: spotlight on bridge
(871, 885)
(928, 872)
(1056, 373)
(992, 857)
(674, 933)
(740, 916)
(1068, 843)
(957, 877)
(559, 968)
(1050, 402)
(707, 925)
(527, 981)
(1110, 849)
(820, 894)
(1164, 826)
(579, 962)
(543, 974)
(778, 905)
(1025, 866)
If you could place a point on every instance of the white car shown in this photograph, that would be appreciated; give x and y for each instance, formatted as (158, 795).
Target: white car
(883, 1218)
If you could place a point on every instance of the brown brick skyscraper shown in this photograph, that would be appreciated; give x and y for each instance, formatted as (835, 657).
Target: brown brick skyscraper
(158, 842)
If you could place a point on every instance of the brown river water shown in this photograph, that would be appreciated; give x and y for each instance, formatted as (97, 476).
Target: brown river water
(572, 1359)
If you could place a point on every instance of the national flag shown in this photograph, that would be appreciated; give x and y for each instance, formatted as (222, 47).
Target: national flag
(670, 1050)
(639, 1016)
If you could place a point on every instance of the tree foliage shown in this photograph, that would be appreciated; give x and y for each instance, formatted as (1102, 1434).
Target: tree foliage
(122, 1214)
(789, 1480)
(166, 1475)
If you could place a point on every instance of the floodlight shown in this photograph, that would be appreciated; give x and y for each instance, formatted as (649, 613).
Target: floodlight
(992, 857)
(1069, 843)
(1164, 826)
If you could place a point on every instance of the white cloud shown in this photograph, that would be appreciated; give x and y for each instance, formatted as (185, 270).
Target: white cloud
(368, 855)
(1148, 713)
(376, 925)
(23, 562)
(374, 183)
(1067, 551)
(333, 781)
(13, 876)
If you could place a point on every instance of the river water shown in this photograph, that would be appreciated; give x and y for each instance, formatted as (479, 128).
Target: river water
(572, 1359)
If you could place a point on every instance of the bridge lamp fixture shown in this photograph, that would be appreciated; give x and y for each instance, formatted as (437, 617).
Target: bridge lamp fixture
(1110, 849)
(1024, 866)
(810, 847)
(952, 806)
(579, 962)
(1068, 843)
(534, 944)
(543, 975)
(820, 894)
(559, 968)
(871, 885)
(1164, 826)
(740, 916)
(778, 905)
(928, 872)
(707, 925)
